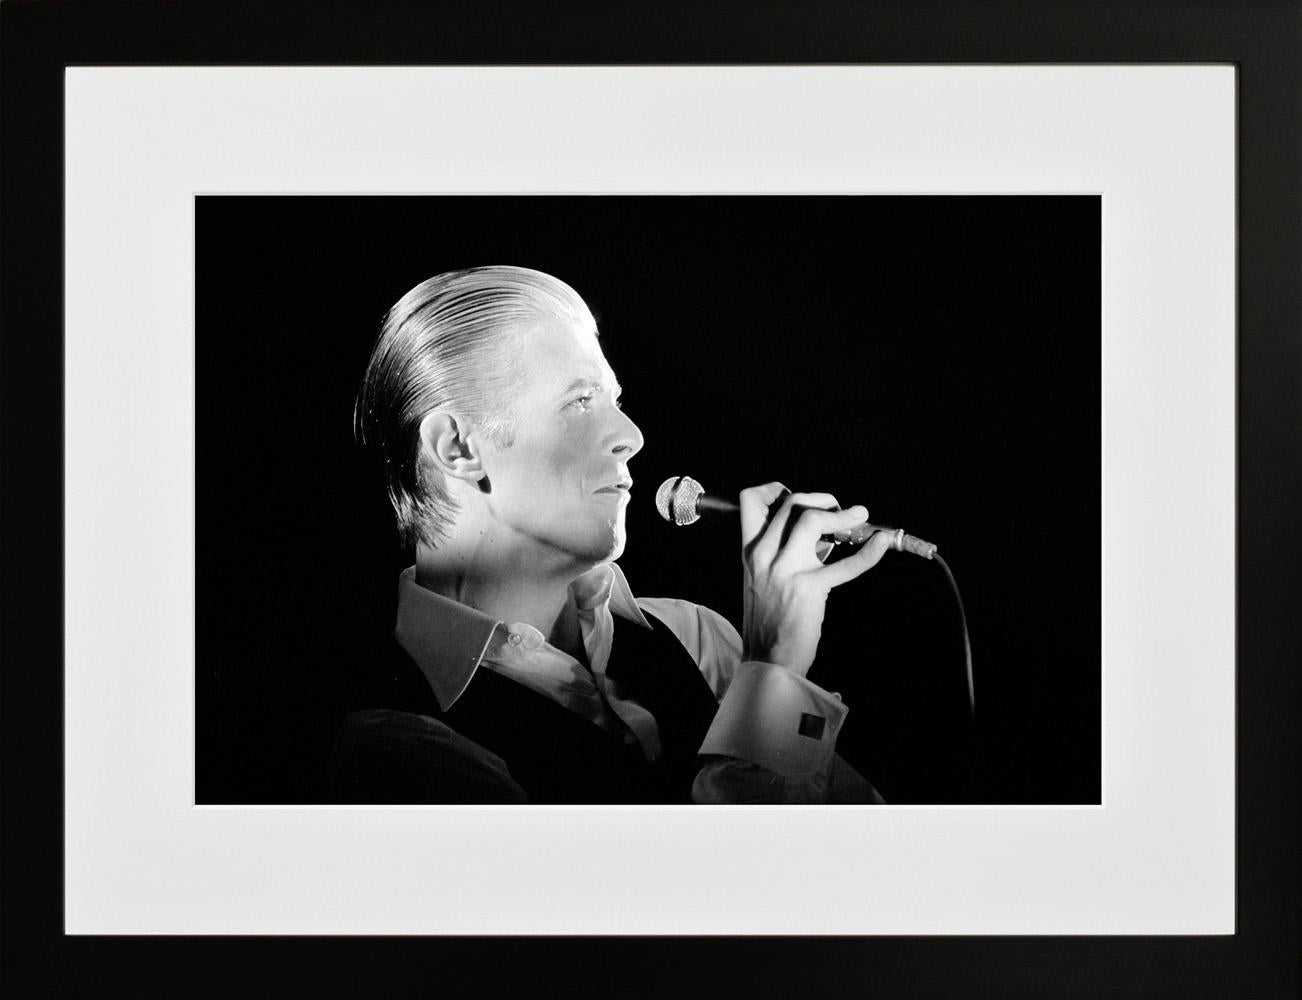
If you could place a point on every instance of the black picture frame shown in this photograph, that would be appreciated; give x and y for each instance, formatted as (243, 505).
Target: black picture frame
(1263, 40)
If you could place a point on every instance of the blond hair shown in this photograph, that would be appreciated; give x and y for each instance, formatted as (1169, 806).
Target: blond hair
(451, 343)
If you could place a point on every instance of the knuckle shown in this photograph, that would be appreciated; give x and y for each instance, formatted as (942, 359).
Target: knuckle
(761, 491)
(761, 497)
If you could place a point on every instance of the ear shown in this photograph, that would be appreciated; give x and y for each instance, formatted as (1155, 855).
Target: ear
(447, 442)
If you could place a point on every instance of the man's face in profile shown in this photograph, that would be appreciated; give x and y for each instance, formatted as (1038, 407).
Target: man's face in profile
(563, 484)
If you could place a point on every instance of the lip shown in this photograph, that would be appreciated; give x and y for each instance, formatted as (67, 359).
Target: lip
(621, 488)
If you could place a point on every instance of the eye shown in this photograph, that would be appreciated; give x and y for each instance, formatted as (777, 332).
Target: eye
(584, 402)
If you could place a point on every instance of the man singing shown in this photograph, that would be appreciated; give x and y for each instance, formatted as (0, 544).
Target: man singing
(525, 670)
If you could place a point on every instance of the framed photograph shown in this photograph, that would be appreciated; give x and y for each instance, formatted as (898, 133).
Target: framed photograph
(1020, 288)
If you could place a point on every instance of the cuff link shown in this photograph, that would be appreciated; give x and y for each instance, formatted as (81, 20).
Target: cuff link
(812, 726)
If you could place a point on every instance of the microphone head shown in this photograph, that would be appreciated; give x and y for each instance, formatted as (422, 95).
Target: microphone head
(676, 499)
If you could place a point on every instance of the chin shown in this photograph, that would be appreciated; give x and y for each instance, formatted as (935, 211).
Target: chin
(609, 546)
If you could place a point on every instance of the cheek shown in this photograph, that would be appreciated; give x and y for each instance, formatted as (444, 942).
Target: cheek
(559, 463)
(571, 454)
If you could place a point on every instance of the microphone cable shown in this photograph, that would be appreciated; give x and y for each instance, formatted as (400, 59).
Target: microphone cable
(967, 641)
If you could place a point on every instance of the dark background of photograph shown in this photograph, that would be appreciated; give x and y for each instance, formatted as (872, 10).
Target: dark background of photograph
(936, 359)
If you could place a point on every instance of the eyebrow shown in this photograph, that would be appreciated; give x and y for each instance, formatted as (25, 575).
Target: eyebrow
(588, 382)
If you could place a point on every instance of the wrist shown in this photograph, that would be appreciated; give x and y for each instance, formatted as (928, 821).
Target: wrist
(776, 657)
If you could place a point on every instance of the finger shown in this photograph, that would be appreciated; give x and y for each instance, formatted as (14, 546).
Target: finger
(811, 525)
(755, 503)
(775, 533)
(868, 556)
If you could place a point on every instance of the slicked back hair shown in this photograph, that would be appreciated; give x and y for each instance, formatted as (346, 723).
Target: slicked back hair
(451, 343)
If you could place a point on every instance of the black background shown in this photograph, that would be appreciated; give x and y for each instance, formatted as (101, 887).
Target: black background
(934, 358)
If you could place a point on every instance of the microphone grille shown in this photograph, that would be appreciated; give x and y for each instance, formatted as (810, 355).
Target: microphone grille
(676, 499)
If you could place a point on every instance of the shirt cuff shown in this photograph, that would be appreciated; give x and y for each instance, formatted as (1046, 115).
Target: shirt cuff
(777, 719)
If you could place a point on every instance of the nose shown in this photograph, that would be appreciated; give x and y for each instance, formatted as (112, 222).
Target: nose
(626, 439)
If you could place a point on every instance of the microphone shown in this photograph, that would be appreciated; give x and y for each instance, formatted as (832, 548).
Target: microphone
(682, 500)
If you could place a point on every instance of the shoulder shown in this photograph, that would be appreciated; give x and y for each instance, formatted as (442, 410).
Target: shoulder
(385, 756)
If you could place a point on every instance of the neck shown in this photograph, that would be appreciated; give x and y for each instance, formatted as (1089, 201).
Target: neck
(508, 582)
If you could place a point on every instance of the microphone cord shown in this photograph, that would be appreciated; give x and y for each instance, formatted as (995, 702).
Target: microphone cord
(967, 642)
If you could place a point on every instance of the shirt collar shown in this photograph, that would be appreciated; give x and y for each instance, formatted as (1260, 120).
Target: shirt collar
(448, 639)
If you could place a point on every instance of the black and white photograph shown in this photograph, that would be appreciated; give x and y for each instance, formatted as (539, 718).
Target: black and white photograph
(648, 499)
(749, 499)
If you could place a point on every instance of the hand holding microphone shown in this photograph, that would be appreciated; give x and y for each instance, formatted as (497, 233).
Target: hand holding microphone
(785, 582)
(783, 545)
(785, 537)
